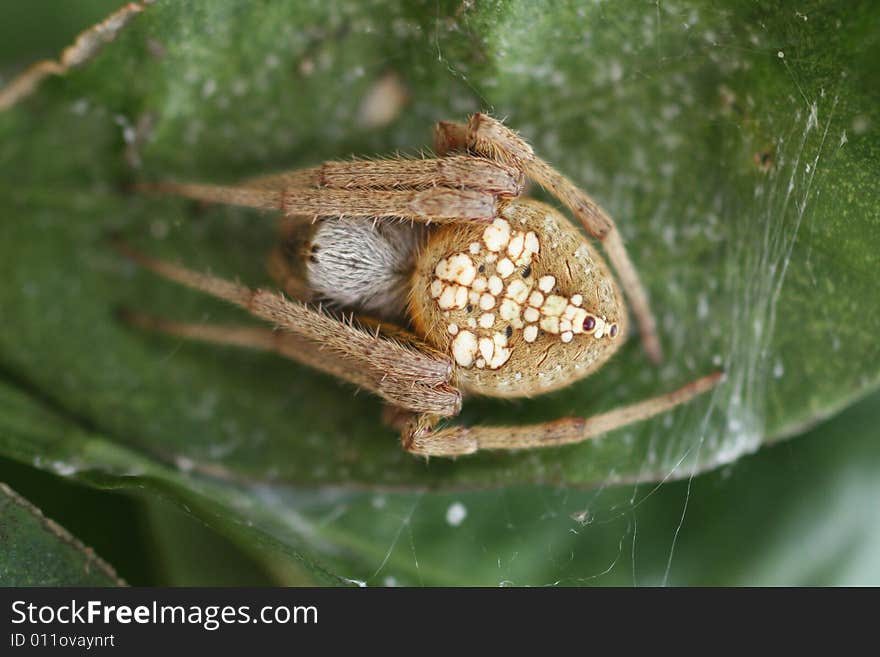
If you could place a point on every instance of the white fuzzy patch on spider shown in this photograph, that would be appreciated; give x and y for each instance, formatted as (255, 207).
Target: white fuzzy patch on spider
(487, 301)
(436, 288)
(453, 296)
(458, 268)
(364, 265)
(515, 248)
(509, 309)
(546, 283)
(554, 305)
(464, 348)
(505, 267)
(494, 350)
(518, 291)
(532, 245)
(497, 235)
(550, 324)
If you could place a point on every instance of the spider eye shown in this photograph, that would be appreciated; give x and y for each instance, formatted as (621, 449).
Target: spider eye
(589, 323)
(613, 331)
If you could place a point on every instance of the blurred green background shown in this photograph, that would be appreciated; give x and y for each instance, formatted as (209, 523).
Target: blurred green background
(799, 512)
(135, 534)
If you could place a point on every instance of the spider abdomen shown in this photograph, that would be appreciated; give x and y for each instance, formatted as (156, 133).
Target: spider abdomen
(523, 305)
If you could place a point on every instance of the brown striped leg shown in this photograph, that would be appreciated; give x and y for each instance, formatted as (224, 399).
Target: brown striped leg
(440, 189)
(455, 171)
(437, 204)
(402, 370)
(420, 436)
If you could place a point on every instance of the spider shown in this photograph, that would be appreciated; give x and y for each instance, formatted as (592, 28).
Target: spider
(422, 280)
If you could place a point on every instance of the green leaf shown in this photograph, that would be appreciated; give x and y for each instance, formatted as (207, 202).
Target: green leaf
(736, 147)
(189, 554)
(801, 513)
(40, 552)
(33, 433)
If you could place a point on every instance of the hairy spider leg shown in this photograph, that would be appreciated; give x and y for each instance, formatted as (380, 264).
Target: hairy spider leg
(400, 369)
(429, 190)
(420, 436)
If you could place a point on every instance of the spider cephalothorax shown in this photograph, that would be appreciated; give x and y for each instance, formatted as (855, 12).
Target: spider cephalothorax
(421, 279)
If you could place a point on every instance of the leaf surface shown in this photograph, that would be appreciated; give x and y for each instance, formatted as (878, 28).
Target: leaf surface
(736, 147)
(39, 552)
